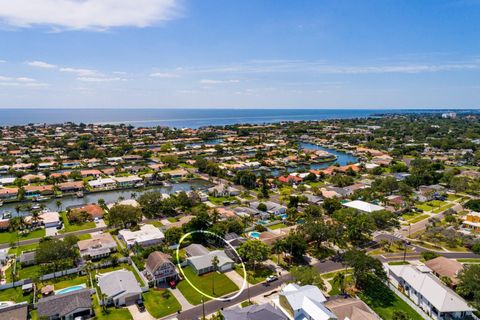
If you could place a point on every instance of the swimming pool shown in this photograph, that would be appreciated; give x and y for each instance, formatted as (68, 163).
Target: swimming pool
(70, 289)
(284, 216)
(254, 234)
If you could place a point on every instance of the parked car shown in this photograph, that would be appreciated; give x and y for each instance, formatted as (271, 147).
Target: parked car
(172, 284)
(140, 305)
(271, 278)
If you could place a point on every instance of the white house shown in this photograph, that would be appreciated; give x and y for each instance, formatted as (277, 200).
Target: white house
(363, 206)
(428, 292)
(102, 183)
(203, 263)
(148, 235)
(304, 302)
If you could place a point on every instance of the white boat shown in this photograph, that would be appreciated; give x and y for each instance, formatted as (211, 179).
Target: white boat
(1, 203)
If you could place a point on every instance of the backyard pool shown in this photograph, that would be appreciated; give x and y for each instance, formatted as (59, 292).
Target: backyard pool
(254, 234)
(70, 289)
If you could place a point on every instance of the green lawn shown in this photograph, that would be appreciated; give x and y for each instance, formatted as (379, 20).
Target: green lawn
(277, 226)
(14, 294)
(384, 301)
(468, 260)
(220, 200)
(18, 250)
(445, 207)
(156, 223)
(261, 272)
(335, 288)
(160, 303)
(84, 236)
(29, 272)
(172, 219)
(223, 285)
(65, 282)
(418, 218)
(110, 313)
(398, 263)
(10, 237)
(424, 207)
(68, 227)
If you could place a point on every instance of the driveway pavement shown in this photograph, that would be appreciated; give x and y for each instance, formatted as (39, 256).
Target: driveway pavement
(235, 277)
(137, 315)
(181, 299)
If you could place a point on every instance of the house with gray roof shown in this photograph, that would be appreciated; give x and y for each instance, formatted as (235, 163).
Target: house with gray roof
(195, 249)
(203, 263)
(254, 312)
(66, 306)
(120, 287)
(15, 311)
(28, 258)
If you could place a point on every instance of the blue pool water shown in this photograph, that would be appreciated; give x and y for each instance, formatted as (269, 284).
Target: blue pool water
(70, 289)
(254, 234)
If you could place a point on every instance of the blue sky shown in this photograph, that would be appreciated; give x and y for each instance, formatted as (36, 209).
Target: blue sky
(248, 53)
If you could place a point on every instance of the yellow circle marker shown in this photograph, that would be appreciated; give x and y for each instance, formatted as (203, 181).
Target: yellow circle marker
(192, 285)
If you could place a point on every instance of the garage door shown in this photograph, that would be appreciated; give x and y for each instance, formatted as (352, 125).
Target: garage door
(131, 300)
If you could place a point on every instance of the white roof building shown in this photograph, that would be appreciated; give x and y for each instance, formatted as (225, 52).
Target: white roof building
(101, 183)
(148, 235)
(363, 206)
(428, 292)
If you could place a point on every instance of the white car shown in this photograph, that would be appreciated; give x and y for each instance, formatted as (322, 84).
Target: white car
(271, 278)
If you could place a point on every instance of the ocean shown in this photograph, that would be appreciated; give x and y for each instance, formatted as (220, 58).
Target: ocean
(182, 118)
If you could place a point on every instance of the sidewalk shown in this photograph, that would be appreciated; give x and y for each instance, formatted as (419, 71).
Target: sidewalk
(181, 299)
(235, 277)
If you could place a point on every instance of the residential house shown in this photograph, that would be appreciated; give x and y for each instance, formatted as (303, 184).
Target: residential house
(428, 292)
(27, 258)
(223, 190)
(99, 246)
(159, 269)
(350, 309)
(313, 199)
(35, 191)
(148, 235)
(290, 179)
(67, 306)
(444, 267)
(15, 311)
(120, 287)
(254, 312)
(201, 259)
(272, 207)
(471, 221)
(128, 182)
(304, 302)
(102, 183)
(70, 186)
(92, 209)
(233, 240)
(363, 206)
(8, 193)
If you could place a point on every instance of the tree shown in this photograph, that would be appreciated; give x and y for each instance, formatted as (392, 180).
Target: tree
(358, 226)
(124, 216)
(400, 315)
(246, 178)
(295, 245)
(55, 254)
(317, 231)
(253, 251)
(151, 203)
(305, 275)
(364, 266)
(262, 207)
(215, 263)
(469, 285)
(340, 280)
(173, 235)
(429, 255)
(331, 205)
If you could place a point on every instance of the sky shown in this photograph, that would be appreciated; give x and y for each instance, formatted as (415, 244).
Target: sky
(239, 53)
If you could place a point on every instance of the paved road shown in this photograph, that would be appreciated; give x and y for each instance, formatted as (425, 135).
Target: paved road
(255, 290)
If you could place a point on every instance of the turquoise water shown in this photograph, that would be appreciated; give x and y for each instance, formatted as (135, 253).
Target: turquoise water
(254, 234)
(70, 289)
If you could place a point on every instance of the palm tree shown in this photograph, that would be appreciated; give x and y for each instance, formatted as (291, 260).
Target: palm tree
(340, 280)
(59, 204)
(215, 263)
(16, 224)
(35, 217)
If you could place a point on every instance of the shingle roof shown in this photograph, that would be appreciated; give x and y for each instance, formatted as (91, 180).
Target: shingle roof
(118, 282)
(18, 311)
(155, 260)
(62, 304)
(351, 308)
(254, 312)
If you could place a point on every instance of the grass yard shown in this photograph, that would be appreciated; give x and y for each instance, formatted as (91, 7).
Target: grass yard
(65, 282)
(156, 223)
(11, 237)
(398, 263)
(84, 236)
(160, 303)
(277, 226)
(261, 272)
(384, 301)
(18, 250)
(445, 207)
(220, 200)
(110, 313)
(68, 227)
(418, 218)
(29, 272)
(223, 285)
(14, 294)
(172, 219)
(469, 260)
(424, 207)
(335, 288)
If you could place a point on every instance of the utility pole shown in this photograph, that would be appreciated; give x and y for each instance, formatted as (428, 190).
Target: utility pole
(203, 307)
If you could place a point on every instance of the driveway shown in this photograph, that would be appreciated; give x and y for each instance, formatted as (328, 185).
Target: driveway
(137, 315)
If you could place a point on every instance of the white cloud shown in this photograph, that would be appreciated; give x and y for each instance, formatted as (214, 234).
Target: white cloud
(163, 75)
(81, 72)
(87, 14)
(100, 79)
(25, 79)
(3, 78)
(40, 64)
(21, 82)
(212, 81)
